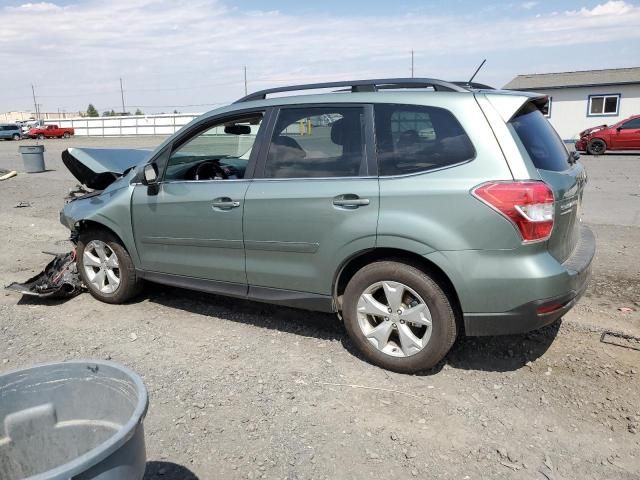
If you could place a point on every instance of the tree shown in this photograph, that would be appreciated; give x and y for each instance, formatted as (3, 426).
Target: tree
(139, 112)
(91, 111)
(106, 113)
(176, 111)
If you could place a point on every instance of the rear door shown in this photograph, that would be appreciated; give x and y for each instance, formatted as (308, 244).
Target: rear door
(314, 201)
(537, 139)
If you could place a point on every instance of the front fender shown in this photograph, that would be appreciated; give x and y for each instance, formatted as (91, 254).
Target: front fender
(112, 209)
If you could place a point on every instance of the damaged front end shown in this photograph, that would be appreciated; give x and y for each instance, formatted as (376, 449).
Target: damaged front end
(59, 279)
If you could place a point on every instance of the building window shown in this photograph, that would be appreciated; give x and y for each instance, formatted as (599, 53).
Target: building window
(603, 104)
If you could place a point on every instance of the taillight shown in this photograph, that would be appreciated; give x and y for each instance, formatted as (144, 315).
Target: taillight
(527, 204)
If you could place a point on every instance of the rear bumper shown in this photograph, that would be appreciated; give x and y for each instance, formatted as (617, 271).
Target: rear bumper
(542, 312)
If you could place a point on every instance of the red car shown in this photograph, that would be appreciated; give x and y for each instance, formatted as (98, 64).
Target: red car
(50, 131)
(624, 135)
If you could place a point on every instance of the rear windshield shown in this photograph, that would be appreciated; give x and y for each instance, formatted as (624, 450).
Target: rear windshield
(539, 139)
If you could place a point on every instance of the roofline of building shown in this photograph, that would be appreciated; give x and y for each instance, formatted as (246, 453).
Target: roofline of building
(576, 71)
(582, 85)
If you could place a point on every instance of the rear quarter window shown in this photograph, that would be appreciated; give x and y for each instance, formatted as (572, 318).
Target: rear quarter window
(539, 139)
(414, 138)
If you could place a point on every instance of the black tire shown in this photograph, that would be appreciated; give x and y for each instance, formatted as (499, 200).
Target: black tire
(16, 136)
(41, 137)
(130, 285)
(66, 135)
(596, 146)
(444, 329)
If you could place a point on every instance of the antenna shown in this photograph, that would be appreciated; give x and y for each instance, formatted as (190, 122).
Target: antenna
(476, 72)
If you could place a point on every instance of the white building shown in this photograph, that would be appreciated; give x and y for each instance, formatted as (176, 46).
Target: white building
(580, 100)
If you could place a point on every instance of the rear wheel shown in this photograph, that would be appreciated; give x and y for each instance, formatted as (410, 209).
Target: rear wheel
(596, 147)
(16, 136)
(40, 137)
(66, 135)
(106, 267)
(398, 317)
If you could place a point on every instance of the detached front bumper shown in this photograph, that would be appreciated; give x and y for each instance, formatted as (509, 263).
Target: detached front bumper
(581, 145)
(539, 313)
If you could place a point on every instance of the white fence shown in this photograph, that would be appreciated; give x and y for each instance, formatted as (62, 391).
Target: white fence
(165, 124)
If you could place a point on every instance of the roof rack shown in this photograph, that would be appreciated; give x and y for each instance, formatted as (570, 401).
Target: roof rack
(474, 85)
(366, 86)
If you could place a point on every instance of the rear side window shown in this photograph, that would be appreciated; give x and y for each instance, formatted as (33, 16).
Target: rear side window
(317, 142)
(539, 139)
(413, 138)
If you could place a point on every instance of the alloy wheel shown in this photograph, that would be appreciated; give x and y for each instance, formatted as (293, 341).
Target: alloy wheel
(101, 266)
(394, 318)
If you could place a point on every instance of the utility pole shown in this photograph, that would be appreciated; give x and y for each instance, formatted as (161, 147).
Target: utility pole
(35, 105)
(412, 63)
(122, 96)
(245, 79)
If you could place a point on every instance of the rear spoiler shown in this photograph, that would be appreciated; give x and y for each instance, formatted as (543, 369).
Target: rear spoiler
(508, 103)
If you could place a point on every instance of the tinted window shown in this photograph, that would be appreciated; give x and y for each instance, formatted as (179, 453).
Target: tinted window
(415, 138)
(635, 123)
(540, 140)
(317, 142)
(221, 151)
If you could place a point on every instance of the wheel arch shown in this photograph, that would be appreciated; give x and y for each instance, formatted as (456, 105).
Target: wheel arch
(86, 225)
(349, 267)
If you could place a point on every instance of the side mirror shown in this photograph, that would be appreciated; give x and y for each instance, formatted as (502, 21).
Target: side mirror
(150, 174)
(618, 129)
(150, 178)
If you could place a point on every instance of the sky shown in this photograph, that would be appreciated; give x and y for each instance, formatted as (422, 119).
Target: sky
(189, 55)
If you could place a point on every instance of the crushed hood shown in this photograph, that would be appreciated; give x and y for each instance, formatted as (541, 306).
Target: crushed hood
(592, 130)
(97, 168)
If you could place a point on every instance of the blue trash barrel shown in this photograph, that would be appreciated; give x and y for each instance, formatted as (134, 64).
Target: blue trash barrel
(72, 420)
(32, 158)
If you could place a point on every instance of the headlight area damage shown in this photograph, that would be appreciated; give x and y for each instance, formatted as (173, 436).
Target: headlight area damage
(96, 169)
(60, 279)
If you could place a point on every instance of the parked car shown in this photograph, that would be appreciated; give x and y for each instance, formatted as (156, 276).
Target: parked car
(624, 135)
(50, 131)
(10, 132)
(411, 239)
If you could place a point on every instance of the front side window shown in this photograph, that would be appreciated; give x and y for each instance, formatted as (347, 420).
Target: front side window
(631, 124)
(317, 142)
(604, 104)
(412, 138)
(220, 152)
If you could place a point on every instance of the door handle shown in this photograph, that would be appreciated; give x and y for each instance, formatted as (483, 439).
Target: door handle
(350, 200)
(224, 203)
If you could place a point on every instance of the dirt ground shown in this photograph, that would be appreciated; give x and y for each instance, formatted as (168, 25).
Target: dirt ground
(242, 390)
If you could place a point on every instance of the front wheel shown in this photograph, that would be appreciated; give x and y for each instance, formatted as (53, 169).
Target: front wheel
(106, 267)
(596, 147)
(40, 137)
(398, 317)
(16, 136)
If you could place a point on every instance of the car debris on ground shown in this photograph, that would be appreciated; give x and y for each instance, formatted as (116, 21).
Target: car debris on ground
(59, 279)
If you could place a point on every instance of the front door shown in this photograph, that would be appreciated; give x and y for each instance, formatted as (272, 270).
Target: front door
(192, 227)
(313, 203)
(628, 135)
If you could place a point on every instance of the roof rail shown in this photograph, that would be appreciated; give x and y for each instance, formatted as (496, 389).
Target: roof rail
(474, 85)
(372, 85)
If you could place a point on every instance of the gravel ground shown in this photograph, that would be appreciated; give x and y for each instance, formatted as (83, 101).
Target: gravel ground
(247, 390)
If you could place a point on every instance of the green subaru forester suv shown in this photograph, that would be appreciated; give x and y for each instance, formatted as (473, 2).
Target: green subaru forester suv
(416, 209)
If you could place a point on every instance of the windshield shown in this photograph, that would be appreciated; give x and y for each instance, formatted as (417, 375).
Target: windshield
(539, 139)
